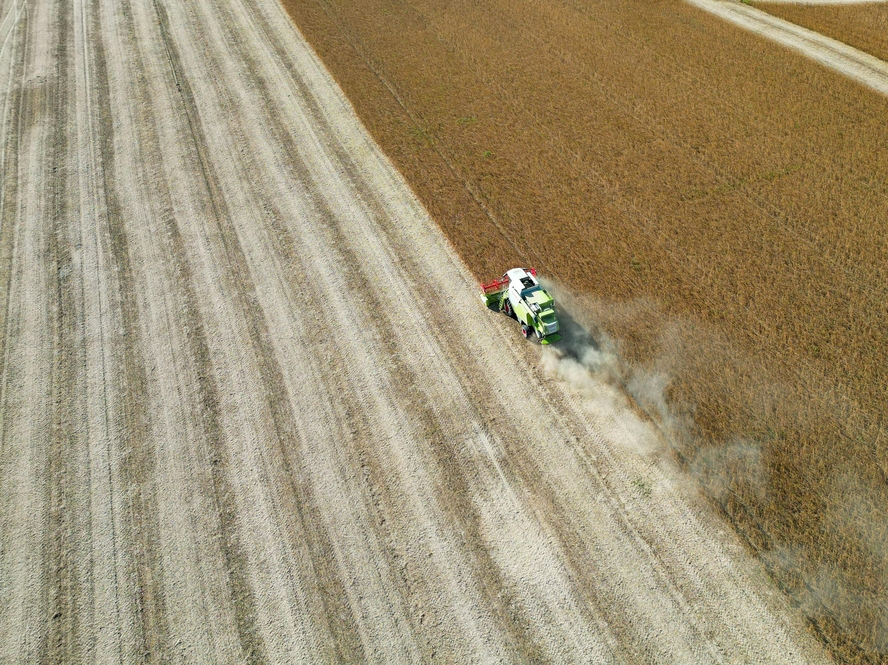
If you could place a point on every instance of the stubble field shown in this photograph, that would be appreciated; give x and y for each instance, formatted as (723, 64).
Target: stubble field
(718, 203)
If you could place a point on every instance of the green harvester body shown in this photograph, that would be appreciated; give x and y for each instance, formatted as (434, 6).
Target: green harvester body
(518, 294)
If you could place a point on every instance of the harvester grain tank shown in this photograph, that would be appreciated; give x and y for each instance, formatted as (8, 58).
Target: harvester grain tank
(518, 294)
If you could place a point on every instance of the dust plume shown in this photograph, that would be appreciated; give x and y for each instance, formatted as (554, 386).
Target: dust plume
(810, 504)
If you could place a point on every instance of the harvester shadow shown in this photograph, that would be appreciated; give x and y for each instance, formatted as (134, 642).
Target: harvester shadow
(576, 340)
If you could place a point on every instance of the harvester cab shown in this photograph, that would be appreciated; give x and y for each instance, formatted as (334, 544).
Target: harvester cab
(518, 294)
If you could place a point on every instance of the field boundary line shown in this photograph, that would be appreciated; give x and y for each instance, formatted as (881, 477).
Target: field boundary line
(838, 56)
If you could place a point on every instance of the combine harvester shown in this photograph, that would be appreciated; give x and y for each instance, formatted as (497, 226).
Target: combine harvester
(518, 294)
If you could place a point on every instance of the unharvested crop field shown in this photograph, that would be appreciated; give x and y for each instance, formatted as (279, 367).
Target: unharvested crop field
(863, 26)
(720, 204)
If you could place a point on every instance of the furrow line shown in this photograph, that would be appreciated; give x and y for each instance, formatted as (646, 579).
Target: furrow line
(138, 536)
(197, 555)
(25, 411)
(239, 579)
(235, 274)
(62, 573)
(10, 163)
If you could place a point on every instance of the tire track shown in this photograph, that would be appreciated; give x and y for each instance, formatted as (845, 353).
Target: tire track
(346, 641)
(103, 531)
(256, 327)
(298, 495)
(60, 573)
(190, 563)
(14, 100)
(282, 419)
(25, 415)
(235, 559)
(193, 548)
(138, 466)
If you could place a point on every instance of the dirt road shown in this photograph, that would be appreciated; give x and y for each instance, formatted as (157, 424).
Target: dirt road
(252, 409)
(847, 60)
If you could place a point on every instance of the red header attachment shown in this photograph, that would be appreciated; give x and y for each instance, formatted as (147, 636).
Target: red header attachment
(495, 285)
(502, 282)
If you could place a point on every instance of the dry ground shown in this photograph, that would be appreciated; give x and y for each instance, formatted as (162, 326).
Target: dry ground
(718, 199)
(863, 26)
(253, 411)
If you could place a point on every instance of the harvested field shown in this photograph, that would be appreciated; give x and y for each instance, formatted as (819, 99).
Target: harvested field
(718, 201)
(863, 26)
(251, 409)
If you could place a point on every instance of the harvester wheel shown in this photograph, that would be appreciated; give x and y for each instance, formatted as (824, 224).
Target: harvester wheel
(525, 330)
(507, 308)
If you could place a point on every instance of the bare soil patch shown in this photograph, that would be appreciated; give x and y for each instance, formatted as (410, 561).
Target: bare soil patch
(863, 26)
(717, 198)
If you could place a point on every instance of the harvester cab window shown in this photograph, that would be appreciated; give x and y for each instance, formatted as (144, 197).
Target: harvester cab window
(527, 282)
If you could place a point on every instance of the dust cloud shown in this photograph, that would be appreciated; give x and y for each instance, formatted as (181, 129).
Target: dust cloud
(588, 358)
(738, 467)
